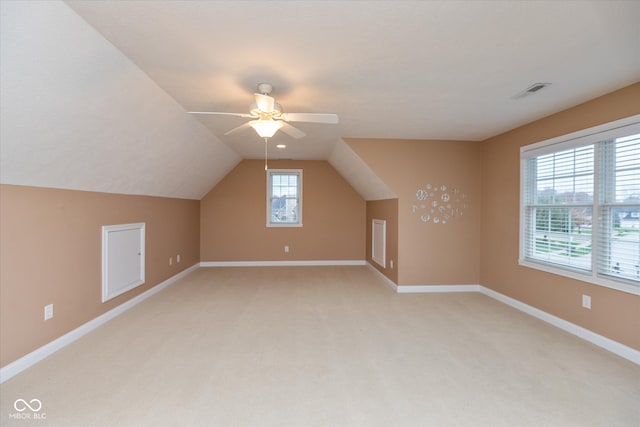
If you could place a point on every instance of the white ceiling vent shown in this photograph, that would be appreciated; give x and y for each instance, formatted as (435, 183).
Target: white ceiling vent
(534, 88)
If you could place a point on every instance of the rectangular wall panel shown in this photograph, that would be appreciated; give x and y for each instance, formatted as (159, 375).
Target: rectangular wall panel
(122, 258)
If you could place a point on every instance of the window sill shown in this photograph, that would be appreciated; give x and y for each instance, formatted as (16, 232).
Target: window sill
(582, 276)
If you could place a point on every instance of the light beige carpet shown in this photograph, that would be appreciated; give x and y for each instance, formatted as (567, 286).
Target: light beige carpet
(325, 346)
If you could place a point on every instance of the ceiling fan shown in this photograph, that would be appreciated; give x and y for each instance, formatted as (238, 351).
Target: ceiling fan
(268, 116)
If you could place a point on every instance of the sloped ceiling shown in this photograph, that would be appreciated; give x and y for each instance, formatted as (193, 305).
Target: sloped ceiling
(77, 114)
(95, 93)
(358, 173)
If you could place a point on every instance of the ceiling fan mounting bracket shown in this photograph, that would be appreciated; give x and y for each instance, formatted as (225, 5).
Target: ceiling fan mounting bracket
(265, 88)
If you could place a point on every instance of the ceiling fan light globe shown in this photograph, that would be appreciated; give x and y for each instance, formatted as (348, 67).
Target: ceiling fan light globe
(266, 128)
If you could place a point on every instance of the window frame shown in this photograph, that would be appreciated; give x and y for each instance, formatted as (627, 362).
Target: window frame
(596, 136)
(270, 173)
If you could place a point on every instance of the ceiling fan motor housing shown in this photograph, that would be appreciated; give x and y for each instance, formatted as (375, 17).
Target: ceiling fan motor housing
(275, 113)
(268, 116)
(265, 88)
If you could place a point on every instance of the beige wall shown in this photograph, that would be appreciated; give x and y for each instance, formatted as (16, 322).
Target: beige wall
(614, 314)
(50, 253)
(388, 211)
(233, 217)
(428, 253)
(51, 239)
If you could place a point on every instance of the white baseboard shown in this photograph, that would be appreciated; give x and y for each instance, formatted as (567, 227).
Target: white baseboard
(437, 288)
(46, 350)
(615, 347)
(37, 355)
(386, 280)
(608, 344)
(404, 289)
(280, 263)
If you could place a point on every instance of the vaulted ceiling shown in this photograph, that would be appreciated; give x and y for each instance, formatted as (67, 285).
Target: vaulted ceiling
(95, 94)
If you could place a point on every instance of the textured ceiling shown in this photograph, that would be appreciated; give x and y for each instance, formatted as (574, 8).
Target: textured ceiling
(389, 69)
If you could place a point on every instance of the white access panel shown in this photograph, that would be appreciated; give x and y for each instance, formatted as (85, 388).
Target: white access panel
(379, 241)
(122, 258)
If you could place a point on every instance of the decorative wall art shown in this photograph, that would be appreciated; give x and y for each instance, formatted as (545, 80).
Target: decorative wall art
(439, 204)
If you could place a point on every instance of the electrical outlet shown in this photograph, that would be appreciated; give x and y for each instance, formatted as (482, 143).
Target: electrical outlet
(48, 311)
(170, 260)
(286, 249)
(178, 258)
(391, 264)
(586, 301)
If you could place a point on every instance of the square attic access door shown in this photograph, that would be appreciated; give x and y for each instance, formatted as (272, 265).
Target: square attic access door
(122, 259)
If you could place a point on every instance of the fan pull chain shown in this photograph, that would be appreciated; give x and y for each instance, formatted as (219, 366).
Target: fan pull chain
(265, 153)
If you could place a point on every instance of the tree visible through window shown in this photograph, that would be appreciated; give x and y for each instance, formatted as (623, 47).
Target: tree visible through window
(561, 206)
(581, 207)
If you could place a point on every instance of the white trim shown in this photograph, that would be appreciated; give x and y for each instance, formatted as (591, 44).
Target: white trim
(279, 263)
(48, 349)
(270, 173)
(608, 344)
(110, 289)
(417, 289)
(388, 281)
(39, 354)
(595, 136)
(584, 276)
(582, 137)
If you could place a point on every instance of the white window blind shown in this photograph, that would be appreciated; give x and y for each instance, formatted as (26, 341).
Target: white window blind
(619, 187)
(559, 208)
(580, 205)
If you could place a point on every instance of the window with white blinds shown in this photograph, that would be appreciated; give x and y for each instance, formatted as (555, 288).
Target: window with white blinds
(580, 205)
(619, 209)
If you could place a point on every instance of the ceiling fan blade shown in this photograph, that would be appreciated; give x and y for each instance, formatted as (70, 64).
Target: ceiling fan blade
(310, 117)
(220, 114)
(239, 128)
(265, 103)
(291, 131)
